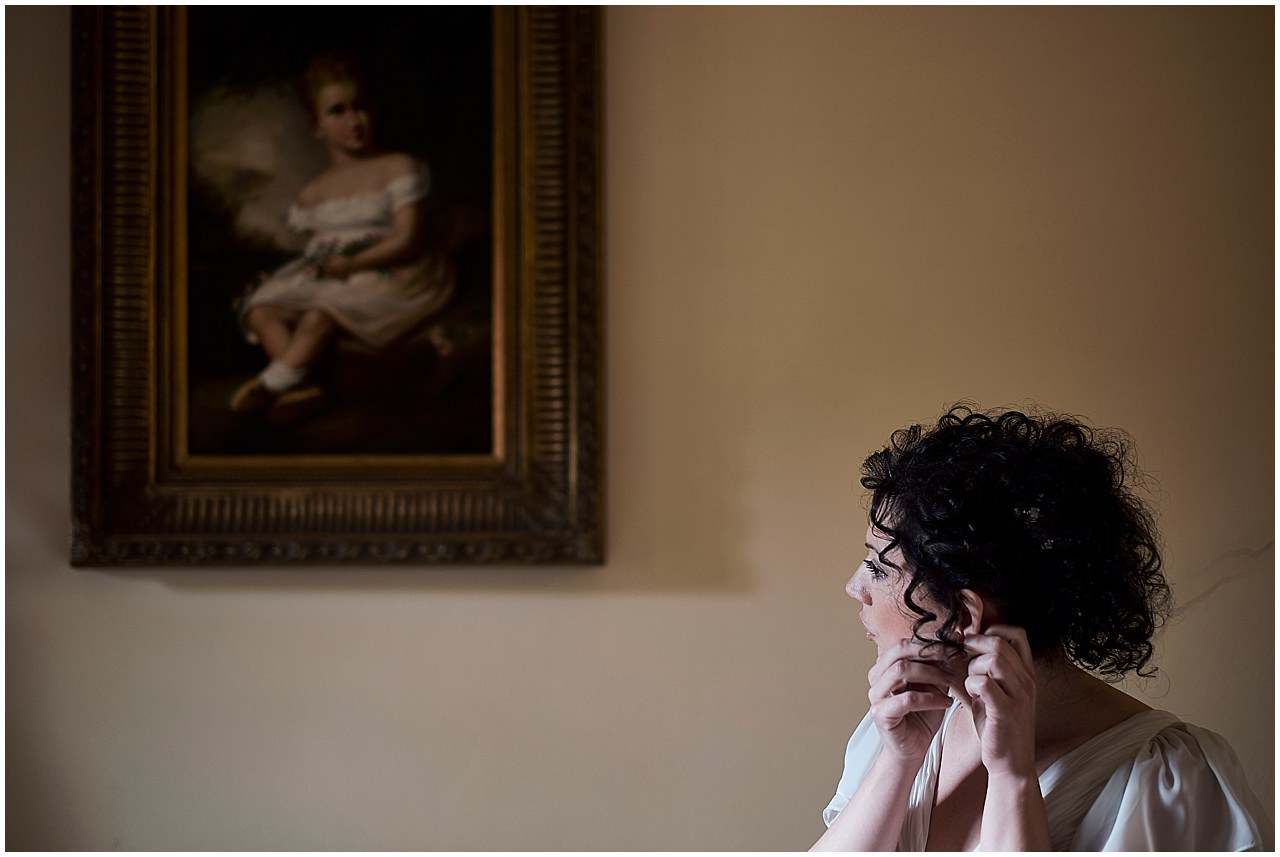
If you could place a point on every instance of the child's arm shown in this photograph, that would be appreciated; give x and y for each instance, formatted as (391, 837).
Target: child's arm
(402, 244)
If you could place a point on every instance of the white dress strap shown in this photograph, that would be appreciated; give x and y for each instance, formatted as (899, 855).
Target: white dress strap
(924, 790)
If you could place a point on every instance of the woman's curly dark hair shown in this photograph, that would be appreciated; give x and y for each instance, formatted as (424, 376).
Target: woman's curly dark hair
(1036, 513)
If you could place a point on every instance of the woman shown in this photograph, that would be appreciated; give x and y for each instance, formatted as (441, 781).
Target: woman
(367, 271)
(1009, 561)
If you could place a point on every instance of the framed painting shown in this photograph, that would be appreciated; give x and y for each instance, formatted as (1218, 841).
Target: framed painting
(336, 285)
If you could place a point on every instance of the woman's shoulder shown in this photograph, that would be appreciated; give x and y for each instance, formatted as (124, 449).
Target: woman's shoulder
(1200, 757)
(1171, 785)
(1198, 791)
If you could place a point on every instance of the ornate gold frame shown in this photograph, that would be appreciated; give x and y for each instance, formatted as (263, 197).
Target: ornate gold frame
(140, 499)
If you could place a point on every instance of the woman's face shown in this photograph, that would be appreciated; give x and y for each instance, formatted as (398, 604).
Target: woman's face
(342, 118)
(878, 585)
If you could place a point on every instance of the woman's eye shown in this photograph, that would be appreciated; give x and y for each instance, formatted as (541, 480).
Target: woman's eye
(876, 573)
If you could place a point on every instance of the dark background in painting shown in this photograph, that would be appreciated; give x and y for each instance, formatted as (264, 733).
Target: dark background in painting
(429, 74)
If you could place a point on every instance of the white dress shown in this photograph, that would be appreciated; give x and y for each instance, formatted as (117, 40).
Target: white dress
(376, 306)
(1150, 783)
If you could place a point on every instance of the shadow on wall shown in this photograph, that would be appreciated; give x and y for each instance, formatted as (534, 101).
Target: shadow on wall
(37, 815)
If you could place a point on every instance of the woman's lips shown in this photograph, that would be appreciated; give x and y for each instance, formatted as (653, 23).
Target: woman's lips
(870, 636)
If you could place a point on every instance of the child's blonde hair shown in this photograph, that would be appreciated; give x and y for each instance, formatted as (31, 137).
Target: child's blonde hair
(324, 69)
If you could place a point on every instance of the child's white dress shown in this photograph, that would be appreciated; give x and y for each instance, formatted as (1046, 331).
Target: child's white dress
(376, 306)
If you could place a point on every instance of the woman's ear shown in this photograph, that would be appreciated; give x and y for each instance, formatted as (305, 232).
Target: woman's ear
(976, 613)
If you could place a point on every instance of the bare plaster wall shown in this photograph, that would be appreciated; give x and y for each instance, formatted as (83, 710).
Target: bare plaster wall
(821, 224)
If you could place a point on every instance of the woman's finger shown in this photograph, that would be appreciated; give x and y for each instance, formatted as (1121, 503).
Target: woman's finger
(906, 647)
(919, 650)
(991, 644)
(1015, 678)
(904, 674)
(899, 705)
(961, 693)
(996, 665)
(1012, 635)
(986, 689)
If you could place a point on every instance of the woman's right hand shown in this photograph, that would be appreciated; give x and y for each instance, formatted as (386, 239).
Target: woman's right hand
(912, 683)
(909, 694)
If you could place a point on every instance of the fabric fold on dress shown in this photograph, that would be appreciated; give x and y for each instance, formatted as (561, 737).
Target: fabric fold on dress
(1150, 783)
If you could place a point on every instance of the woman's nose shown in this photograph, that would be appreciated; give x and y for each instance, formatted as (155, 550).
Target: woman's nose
(855, 590)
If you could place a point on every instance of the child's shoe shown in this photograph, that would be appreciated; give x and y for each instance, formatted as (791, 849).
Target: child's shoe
(295, 405)
(252, 397)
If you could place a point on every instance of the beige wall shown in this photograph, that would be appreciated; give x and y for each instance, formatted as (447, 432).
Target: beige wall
(821, 224)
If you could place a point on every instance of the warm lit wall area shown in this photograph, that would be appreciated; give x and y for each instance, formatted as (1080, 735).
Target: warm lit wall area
(821, 224)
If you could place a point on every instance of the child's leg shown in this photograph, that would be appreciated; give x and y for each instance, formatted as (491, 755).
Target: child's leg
(274, 326)
(312, 335)
(304, 339)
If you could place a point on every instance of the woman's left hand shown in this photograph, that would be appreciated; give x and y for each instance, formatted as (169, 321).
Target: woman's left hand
(1002, 687)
